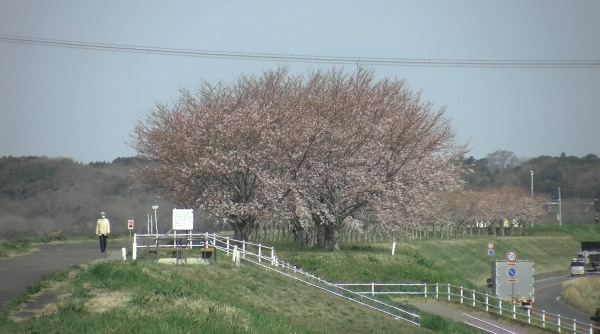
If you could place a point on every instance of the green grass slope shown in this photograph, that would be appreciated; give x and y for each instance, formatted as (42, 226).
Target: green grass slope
(460, 261)
(143, 297)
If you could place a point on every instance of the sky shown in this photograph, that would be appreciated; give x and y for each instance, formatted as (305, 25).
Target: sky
(83, 104)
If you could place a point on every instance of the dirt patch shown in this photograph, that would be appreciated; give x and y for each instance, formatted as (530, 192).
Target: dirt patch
(107, 300)
(41, 303)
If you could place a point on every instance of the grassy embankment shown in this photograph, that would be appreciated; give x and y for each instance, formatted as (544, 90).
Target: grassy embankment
(457, 260)
(144, 297)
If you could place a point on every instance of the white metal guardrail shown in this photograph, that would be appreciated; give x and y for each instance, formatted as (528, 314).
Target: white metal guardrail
(485, 323)
(480, 300)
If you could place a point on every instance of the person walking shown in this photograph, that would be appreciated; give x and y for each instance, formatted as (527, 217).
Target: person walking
(102, 230)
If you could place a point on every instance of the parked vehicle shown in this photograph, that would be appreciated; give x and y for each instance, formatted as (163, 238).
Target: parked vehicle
(513, 282)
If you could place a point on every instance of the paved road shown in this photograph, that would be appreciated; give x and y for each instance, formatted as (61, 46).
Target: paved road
(458, 315)
(19, 272)
(546, 298)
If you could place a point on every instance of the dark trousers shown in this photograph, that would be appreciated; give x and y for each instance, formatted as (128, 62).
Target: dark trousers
(102, 238)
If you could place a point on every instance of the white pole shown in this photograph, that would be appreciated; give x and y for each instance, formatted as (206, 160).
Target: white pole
(156, 221)
(228, 245)
(372, 289)
(148, 216)
(259, 252)
(461, 294)
(448, 291)
(500, 305)
(487, 305)
(514, 309)
(437, 290)
(393, 247)
(558, 322)
(134, 247)
(559, 208)
(528, 315)
(473, 298)
(425, 290)
(124, 253)
(543, 318)
(151, 224)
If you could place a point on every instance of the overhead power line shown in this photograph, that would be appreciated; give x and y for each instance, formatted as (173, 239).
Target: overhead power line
(303, 58)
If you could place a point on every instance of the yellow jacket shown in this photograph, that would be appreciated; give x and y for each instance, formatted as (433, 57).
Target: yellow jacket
(102, 226)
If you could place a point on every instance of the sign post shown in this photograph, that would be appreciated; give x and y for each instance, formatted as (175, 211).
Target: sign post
(155, 207)
(130, 226)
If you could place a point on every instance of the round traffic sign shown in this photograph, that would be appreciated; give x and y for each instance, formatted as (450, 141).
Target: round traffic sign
(512, 272)
(490, 245)
(490, 252)
(511, 256)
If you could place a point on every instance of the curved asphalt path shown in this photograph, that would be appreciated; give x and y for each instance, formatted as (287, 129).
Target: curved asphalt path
(547, 293)
(17, 273)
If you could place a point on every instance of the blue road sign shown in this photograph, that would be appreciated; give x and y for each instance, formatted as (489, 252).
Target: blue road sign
(512, 272)
(490, 252)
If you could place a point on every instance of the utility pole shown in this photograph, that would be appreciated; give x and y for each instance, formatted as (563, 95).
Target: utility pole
(155, 207)
(531, 183)
(559, 208)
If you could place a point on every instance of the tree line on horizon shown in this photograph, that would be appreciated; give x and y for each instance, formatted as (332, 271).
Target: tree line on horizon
(39, 195)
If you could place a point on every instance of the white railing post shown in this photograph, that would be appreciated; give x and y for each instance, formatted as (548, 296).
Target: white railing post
(500, 306)
(134, 247)
(372, 289)
(259, 252)
(487, 300)
(124, 253)
(227, 245)
(437, 290)
(461, 294)
(528, 315)
(514, 309)
(591, 329)
(473, 298)
(574, 326)
(448, 291)
(244, 249)
(425, 290)
(558, 322)
(273, 256)
(543, 319)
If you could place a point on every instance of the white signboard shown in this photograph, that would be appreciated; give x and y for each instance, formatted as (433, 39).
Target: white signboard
(183, 219)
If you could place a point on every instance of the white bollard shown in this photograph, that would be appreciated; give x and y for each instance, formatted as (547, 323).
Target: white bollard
(124, 253)
(393, 247)
(235, 253)
(134, 251)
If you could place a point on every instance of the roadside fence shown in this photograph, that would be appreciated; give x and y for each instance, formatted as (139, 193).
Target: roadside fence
(476, 299)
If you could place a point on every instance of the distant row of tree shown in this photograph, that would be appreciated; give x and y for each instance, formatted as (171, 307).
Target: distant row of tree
(39, 195)
(577, 177)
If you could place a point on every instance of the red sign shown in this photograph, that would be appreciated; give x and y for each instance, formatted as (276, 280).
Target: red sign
(511, 256)
(130, 224)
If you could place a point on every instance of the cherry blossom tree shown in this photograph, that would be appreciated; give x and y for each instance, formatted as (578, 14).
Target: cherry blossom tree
(328, 148)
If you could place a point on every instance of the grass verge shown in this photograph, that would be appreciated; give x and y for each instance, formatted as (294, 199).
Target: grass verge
(141, 296)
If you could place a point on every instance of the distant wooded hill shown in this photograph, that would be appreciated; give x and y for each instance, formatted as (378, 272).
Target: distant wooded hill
(577, 177)
(39, 195)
